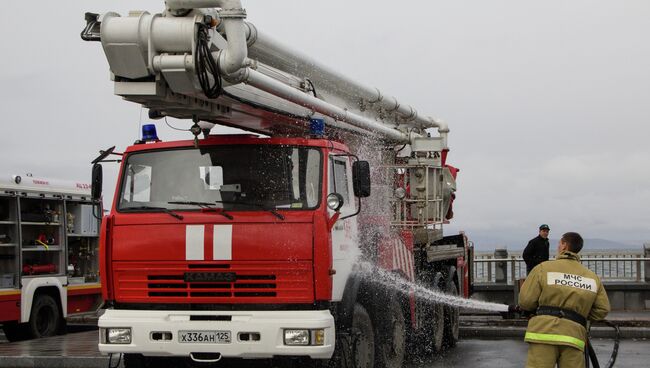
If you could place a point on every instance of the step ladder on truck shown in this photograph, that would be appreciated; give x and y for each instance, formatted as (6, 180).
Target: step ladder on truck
(243, 246)
(49, 254)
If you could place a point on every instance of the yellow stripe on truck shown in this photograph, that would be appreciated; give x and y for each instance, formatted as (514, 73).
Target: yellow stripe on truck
(555, 338)
(13, 292)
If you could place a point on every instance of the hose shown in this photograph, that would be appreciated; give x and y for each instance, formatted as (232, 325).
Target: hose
(592, 354)
(204, 64)
(617, 340)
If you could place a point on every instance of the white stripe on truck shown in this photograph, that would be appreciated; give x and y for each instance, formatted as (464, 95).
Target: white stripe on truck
(222, 243)
(194, 240)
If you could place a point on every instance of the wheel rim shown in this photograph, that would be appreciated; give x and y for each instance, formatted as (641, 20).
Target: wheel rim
(44, 319)
(455, 323)
(364, 344)
(439, 325)
(363, 350)
(397, 343)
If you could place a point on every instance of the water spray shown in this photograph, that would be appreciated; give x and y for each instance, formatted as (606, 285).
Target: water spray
(393, 281)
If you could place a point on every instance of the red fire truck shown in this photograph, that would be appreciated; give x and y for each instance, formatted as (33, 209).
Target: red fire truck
(249, 246)
(49, 254)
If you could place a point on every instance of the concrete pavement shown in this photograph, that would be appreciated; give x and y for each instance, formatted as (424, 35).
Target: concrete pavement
(487, 341)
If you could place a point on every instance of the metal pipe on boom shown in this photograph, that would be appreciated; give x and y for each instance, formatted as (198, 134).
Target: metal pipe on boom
(144, 45)
(274, 87)
(272, 52)
(233, 59)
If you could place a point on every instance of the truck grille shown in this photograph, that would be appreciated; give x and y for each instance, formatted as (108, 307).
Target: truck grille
(254, 283)
(174, 285)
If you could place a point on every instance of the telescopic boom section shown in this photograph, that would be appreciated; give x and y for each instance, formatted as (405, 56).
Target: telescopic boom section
(199, 59)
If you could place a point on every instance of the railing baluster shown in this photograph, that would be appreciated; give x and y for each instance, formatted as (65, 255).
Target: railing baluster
(609, 267)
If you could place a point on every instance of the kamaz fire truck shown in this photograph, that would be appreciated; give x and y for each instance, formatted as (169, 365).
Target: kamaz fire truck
(49, 254)
(246, 246)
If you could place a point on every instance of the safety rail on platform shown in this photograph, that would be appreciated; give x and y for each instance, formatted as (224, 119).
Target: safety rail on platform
(623, 268)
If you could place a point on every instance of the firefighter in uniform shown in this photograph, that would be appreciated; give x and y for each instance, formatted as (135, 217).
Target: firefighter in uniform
(562, 294)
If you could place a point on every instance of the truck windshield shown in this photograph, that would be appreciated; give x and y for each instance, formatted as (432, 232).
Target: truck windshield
(242, 177)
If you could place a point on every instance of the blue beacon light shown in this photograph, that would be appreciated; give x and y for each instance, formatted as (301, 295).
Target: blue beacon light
(149, 133)
(317, 127)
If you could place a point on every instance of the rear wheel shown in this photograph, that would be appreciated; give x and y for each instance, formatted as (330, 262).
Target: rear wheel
(45, 319)
(433, 330)
(425, 341)
(390, 333)
(451, 318)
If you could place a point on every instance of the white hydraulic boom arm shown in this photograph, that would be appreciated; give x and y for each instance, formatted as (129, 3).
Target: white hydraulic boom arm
(199, 59)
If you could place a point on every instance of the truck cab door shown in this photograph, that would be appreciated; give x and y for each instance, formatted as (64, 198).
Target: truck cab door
(344, 232)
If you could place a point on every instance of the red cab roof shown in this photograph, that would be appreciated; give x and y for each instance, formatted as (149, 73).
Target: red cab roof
(239, 139)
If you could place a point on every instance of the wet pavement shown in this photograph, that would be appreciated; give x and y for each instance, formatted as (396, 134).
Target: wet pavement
(79, 350)
(512, 353)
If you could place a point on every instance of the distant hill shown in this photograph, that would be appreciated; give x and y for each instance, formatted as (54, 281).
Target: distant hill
(486, 243)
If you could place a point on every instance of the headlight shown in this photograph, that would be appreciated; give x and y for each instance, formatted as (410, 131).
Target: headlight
(120, 335)
(334, 201)
(296, 337)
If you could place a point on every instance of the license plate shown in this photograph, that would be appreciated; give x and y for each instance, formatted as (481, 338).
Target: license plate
(206, 337)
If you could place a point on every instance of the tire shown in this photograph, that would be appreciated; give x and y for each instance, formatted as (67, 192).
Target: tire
(431, 338)
(134, 361)
(426, 341)
(363, 347)
(451, 319)
(45, 319)
(390, 333)
(15, 331)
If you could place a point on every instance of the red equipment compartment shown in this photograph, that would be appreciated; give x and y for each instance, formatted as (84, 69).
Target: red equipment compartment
(10, 306)
(83, 299)
(254, 282)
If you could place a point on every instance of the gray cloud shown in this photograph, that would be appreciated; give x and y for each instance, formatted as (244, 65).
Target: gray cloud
(548, 101)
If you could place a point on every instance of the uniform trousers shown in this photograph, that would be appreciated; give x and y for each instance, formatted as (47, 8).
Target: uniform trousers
(547, 355)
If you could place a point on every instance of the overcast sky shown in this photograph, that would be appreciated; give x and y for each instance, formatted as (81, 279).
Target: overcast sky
(548, 101)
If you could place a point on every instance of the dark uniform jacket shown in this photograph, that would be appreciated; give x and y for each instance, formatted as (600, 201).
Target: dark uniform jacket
(535, 253)
(564, 283)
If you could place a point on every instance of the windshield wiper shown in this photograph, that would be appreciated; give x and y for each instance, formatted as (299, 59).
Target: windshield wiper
(145, 208)
(206, 205)
(271, 210)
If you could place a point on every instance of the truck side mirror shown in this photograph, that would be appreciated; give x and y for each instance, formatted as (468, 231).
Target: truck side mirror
(96, 182)
(361, 178)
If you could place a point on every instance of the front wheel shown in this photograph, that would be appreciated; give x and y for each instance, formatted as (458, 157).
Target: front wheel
(363, 338)
(45, 319)
(390, 333)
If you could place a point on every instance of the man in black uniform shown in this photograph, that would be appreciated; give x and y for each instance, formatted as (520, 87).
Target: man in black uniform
(536, 251)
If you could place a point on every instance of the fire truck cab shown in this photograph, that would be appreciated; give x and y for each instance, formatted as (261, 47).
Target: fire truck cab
(241, 241)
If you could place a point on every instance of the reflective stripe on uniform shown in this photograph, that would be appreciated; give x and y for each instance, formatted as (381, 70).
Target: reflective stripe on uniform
(555, 338)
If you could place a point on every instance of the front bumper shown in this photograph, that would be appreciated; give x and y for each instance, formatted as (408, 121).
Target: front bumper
(269, 324)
